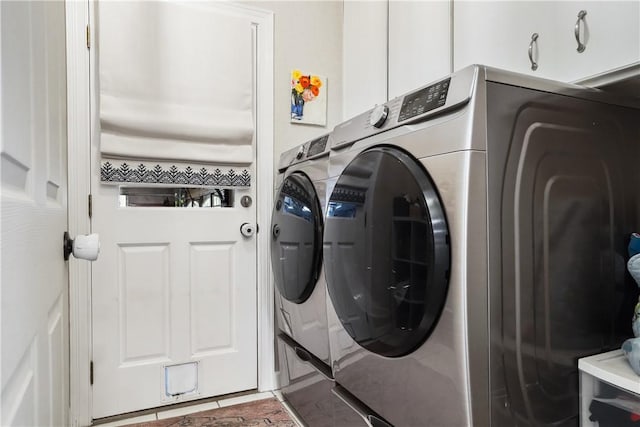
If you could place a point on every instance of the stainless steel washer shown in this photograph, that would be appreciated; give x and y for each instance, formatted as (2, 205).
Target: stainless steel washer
(472, 248)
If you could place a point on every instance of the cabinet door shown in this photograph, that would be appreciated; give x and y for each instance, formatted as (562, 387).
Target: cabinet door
(419, 43)
(611, 34)
(498, 34)
(364, 55)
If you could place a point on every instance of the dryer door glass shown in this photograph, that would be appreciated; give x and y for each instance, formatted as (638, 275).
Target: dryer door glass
(296, 238)
(386, 250)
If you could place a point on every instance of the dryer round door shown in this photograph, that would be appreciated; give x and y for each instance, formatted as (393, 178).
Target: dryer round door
(296, 238)
(386, 251)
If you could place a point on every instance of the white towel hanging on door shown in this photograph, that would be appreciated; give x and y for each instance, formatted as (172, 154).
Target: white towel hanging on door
(176, 82)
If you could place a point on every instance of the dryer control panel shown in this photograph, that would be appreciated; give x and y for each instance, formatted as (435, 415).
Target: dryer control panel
(310, 150)
(421, 104)
(317, 146)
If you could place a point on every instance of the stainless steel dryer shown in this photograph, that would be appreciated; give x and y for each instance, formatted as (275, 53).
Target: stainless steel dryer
(296, 246)
(474, 248)
(296, 257)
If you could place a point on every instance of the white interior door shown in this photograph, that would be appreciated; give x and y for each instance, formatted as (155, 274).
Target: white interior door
(173, 286)
(33, 159)
(174, 313)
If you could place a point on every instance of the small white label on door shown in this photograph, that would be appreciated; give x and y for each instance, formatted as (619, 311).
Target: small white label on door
(181, 379)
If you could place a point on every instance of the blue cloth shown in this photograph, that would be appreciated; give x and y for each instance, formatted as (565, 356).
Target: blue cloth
(634, 245)
(631, 349)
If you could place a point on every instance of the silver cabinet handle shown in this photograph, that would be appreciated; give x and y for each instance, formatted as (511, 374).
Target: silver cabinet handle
(581, 46)
(534, 40)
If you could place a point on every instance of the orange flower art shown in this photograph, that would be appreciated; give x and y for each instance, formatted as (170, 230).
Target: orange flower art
(304, 88)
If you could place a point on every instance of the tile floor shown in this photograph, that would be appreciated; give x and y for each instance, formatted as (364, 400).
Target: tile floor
(165, 414)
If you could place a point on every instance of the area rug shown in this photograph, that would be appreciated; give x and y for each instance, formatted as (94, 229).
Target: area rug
(266, 412)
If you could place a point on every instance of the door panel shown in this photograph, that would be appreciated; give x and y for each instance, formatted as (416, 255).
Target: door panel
(35, 336)
(211, 306)
(171, 286)
(143, 303)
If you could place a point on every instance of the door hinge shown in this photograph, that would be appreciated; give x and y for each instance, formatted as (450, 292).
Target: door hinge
(88, 38)
(91, 372)
(90, 206)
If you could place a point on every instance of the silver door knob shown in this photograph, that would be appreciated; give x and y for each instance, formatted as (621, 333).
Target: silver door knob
(247, 230)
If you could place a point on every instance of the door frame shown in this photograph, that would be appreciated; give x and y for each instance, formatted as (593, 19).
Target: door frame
(81, 101)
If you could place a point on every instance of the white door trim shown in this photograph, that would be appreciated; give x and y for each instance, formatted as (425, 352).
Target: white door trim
(78, 134)
(80, 62)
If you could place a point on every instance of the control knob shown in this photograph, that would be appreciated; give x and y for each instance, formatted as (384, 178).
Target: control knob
(379, 115)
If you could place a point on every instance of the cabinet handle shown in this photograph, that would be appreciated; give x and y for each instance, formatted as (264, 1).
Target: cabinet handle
(581, 46)
(534, 39)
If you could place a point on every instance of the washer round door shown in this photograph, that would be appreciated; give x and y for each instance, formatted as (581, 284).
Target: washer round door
(296, 238)
(386, 251)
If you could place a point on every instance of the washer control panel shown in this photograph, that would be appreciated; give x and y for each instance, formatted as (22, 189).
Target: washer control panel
(430, 100)
(423, 100)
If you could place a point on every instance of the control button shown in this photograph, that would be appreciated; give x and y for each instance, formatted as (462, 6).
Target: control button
(379, 115)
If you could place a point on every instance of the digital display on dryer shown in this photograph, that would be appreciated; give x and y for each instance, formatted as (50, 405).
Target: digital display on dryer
(317, 146)
(424, 100)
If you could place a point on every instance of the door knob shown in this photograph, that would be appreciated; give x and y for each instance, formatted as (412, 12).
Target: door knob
(82, 247)
(247, 230)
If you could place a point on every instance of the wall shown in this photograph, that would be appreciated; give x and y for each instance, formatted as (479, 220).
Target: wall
(308, 36)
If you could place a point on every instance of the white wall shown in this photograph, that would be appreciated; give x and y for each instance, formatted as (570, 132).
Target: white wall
(365, 55)
(308, 36)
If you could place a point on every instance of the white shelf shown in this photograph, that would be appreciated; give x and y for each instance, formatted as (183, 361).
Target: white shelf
(613, 368)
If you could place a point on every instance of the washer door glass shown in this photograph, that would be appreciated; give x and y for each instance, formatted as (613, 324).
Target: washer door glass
(296, 238)
(386, 251)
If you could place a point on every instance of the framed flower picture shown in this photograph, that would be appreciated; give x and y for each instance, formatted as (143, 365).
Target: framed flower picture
(308, 98)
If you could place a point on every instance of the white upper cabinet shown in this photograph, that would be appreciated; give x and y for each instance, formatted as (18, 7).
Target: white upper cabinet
(365, 56)
(610, 32)
(419, 43)
(501, 34)
(392, 47)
